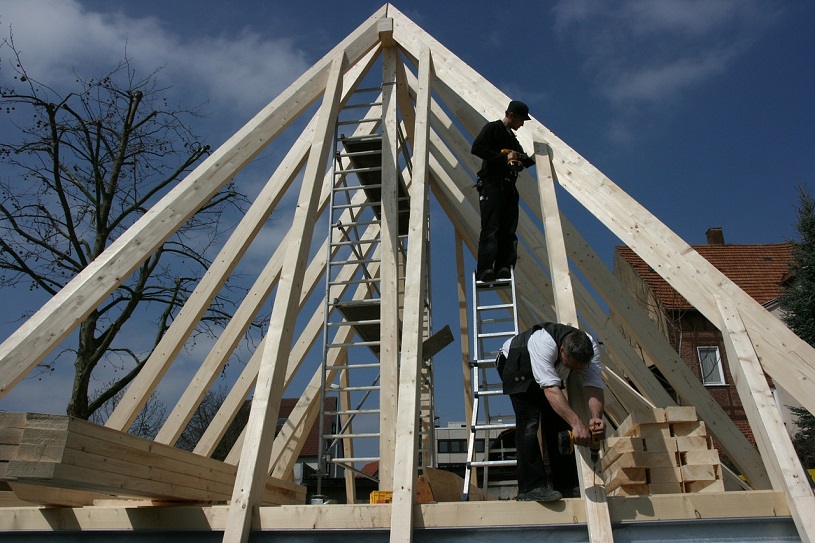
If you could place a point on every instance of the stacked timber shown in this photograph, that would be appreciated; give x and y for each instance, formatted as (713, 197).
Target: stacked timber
(64, 460)
(661, 451)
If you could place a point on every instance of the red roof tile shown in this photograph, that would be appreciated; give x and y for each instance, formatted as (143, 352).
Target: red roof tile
(759, 270)
(312, 444)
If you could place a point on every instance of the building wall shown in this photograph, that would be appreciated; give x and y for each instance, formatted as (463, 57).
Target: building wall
(689, 330)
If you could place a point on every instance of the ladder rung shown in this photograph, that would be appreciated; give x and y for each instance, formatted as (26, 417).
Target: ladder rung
(357, 106)
(354, 412)
(355, 366)
(350, 154)
(354, 344)
(355, 389)
(489, 392)
(361, 170)
(496, 320)
(495, 334)
(360, 121)
(496, 426)
(351, 436)
(352, 460)
(483, 463)
(496, 306)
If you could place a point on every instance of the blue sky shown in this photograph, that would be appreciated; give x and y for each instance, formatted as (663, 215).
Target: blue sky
(702, 110)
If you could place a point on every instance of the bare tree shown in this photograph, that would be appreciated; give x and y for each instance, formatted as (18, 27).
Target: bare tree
(146, 424)
(79, 169)
(201, 419)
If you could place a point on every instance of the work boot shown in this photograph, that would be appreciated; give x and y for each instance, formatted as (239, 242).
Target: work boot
(485, 276)
(503, 273)
(570, 492)
(540, 494)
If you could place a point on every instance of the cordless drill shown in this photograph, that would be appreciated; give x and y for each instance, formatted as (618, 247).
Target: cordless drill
(565, 445)
(515, 165)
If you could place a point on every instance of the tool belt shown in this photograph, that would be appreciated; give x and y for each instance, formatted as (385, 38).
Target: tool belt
(493, 181)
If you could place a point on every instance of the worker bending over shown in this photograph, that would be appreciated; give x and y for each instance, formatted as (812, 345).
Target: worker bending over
(533, 365)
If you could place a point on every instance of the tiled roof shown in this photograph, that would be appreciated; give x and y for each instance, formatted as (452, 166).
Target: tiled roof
(312, 444)
(759, 270)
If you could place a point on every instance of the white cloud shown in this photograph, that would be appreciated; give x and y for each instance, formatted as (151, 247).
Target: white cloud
(649, 52)
(238, 74)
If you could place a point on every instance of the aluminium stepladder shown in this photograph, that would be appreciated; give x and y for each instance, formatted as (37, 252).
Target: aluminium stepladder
(495, 320)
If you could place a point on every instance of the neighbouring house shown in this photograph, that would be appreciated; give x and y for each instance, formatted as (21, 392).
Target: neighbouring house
(761, 270)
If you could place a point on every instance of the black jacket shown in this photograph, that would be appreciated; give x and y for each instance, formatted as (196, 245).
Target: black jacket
(517, 376)
(487, 146)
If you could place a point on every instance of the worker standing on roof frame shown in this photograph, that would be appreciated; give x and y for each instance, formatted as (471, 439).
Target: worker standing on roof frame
(502, 159)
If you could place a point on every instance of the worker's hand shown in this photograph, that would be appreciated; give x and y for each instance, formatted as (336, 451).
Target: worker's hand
(581, 434)
(597, 427)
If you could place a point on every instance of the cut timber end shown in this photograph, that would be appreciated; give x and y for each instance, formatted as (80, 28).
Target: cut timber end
(662, 451)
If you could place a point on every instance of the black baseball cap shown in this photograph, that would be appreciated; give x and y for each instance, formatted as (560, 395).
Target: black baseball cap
(519, 108)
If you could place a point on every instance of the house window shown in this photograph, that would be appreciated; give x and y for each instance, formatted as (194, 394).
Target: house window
(453, 446)
(711, 365)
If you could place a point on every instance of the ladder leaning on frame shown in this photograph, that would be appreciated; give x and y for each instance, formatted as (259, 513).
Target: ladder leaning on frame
(495, 319)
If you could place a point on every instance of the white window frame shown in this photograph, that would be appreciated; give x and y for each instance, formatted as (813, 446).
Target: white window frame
(711, 376)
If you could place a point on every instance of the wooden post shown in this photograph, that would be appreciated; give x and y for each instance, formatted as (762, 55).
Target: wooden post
(415, 287)
(591, 485)
(389, 274)
(266, 402)
(765, 420)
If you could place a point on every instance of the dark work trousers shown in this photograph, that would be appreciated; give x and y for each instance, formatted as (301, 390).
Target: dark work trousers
(533, 409)
(498, 201)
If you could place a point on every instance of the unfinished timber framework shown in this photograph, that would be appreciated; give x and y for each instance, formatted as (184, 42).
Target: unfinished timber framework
(64, 476)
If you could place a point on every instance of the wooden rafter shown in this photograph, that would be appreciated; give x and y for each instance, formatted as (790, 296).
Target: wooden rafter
(439, 133)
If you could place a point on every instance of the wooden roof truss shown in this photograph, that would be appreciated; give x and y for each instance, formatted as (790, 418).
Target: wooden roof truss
(440, 103)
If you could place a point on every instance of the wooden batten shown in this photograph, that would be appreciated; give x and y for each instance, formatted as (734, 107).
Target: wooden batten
(660, 465)
(82, 461)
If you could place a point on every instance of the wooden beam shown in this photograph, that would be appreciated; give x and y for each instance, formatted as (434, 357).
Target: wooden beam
(29, 345)
(266, 401)
(765, 420)
(77, 455)
(164, 355)
(389, 274)
(591, 484)
(491, 514)
(415, 289)
(255, 298)
(676, 371)
(188, 318)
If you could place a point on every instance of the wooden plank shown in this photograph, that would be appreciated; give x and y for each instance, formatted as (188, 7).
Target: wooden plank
(38, 494)
(24, 349)
(183, 325)
(700, 472)
(74, 454)
(389, 274)
(680, 413)
(665, 475)
(597, 516)
(415, 288)
(765, 420)
(266, 401)
(257, 294)
(639, 459)
(208, 371)
(746, 458)
(682, 429)
(625, 476)
(691, 507)
(692, 443)
(666, 488)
